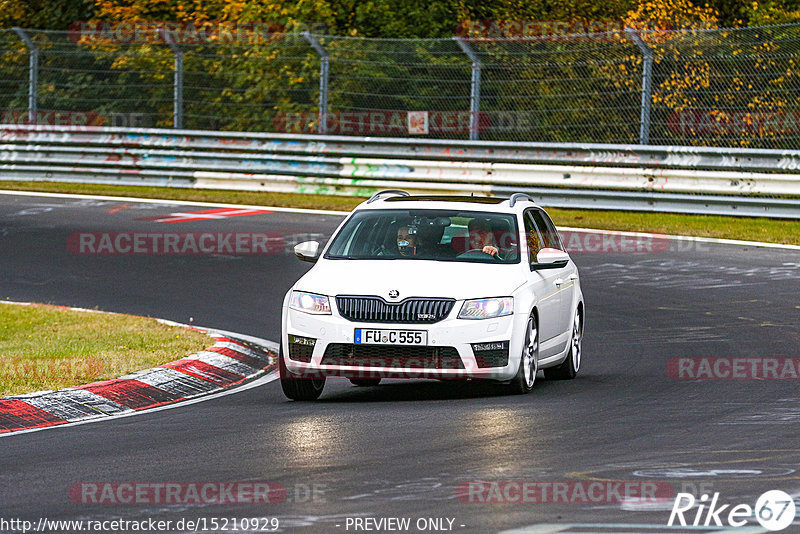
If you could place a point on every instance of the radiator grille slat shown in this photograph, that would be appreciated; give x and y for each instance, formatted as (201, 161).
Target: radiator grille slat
(414, 310)
(392, 356)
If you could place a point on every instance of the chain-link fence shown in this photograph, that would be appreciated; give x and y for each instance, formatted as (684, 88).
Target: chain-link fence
(735, 87)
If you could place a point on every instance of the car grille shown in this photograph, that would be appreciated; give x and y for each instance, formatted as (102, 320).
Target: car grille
(409, 311)
(392, 356)
(492, 358)
(301, 348)
(300, 353)
(491, 353)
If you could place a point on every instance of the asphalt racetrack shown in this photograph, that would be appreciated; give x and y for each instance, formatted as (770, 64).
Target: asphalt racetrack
(416, 449)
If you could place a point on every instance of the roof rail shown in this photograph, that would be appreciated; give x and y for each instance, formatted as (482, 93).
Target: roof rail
(397, 192)
(518, 196)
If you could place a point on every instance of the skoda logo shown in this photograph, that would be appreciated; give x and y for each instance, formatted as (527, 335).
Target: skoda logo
(393, 294)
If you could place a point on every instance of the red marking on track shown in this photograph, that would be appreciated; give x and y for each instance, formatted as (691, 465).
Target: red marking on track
(206, 371)
(131, 393)
(19, 415)
(121, 207)
(204, 215)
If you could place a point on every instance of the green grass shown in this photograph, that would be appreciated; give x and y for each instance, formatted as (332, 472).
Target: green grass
(47, 348)
(745, 228)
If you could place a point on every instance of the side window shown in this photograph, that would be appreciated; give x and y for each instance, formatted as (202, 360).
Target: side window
(532, 237)
(550, 237)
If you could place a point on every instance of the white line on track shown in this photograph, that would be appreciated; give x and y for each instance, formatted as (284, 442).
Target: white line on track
(169, 202)
(260, 381)
(331, 212)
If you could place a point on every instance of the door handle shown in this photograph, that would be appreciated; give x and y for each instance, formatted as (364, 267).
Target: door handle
(573, 276)
(560, 281)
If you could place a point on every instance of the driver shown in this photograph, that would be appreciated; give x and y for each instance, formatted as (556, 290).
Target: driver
(409, 242)
(481, 237)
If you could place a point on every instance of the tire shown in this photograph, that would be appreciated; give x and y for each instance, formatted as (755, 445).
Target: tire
(365, 382)
(529, 360)
(299, 389)
(569, 368)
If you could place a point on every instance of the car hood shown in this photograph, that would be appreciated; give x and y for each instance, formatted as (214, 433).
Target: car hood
(411, 278)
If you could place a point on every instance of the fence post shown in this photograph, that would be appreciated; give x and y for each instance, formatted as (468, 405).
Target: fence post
(647, 80)
(323, 82)
(475, 88)
(33, 73)
(177, 82)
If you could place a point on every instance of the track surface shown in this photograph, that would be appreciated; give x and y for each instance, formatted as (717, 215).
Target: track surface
(402, 448)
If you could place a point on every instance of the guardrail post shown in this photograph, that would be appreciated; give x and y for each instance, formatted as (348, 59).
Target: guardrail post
(33, 73)
(647, 80)
(475, 88)
(323, 81)
(177, 82)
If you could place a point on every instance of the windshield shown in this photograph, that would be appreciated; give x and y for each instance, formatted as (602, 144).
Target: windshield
(443, 235)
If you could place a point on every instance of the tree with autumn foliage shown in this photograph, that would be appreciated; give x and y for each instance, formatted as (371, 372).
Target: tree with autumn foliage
(714, 84)
(726, 86)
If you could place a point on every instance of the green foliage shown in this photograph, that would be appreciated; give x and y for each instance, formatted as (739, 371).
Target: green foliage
(771, 12)
(44, 14)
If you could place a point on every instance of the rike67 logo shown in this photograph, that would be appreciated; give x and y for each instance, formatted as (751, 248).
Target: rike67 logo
(774, 510)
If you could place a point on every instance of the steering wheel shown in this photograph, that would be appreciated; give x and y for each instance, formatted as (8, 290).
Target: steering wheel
(474, 251)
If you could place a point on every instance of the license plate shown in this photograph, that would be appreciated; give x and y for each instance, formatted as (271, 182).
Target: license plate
(371, 336)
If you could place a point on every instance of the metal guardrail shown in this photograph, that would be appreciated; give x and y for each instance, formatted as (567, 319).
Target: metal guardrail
(643, 178)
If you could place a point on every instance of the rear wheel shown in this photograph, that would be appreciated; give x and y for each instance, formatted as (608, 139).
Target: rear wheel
(528, 361)
(299, 389)
(572, 364)
(365, 382)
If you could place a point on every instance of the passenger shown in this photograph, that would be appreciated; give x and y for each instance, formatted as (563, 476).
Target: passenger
(481, 237)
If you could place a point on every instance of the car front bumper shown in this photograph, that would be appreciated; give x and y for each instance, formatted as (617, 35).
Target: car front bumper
(448, 354)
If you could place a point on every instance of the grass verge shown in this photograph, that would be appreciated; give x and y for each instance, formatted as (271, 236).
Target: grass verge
(744, 228)
(47, 347)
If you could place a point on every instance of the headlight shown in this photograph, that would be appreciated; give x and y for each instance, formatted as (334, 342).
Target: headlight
(487, 308)
(310, 303)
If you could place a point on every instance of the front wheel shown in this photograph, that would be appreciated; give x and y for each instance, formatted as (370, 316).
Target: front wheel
(299, 389)
(572, 363)
(528, 361)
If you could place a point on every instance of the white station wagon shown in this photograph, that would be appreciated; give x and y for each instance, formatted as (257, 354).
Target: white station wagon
(434, 287)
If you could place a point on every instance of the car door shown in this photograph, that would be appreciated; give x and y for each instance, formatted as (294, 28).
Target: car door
(566, 277)
(543, 282)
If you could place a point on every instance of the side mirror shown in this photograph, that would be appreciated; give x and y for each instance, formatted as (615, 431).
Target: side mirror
(550, 258)
(307, 251)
